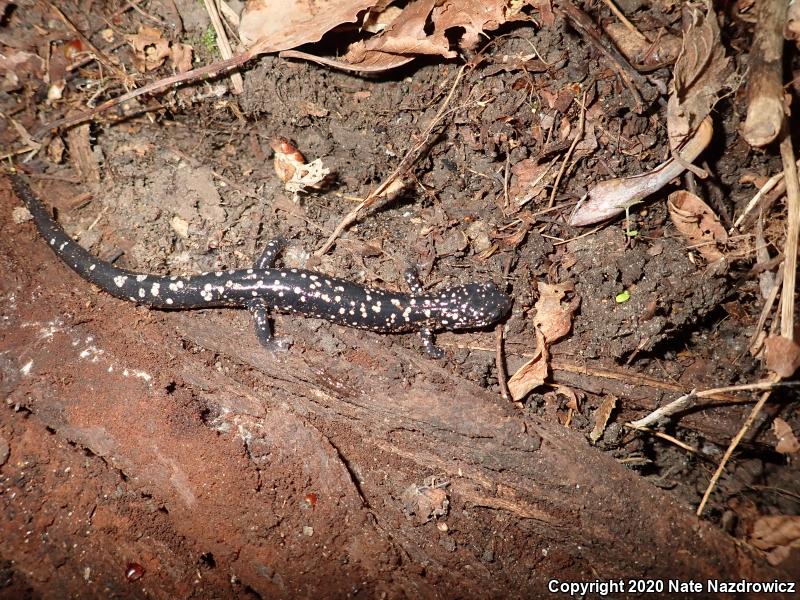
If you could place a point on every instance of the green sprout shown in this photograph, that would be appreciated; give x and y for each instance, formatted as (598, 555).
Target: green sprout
(622, 297)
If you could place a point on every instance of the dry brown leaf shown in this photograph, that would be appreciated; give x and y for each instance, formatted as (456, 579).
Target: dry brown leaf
(699, 75)
(149, 47)
(426, 501)
(406, 35)
(474, 16)
(530, 180)
(291, 23)
(638, 50)
(297, 174)
(369, 61)
(792, 29)
(697, 223)
(376, 20)
(553, 321)
(782, 355)
(554, 316)
(601, 417)
(17, 66)
(421, 28)
(180, 55)
(611, 197)
(787, 440)
(772, 531)
(533, 373)
(572, 398)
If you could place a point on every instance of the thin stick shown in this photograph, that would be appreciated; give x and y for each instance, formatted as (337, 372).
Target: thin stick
(665, 436)
(772, 183)
(578, 138)
(499, 359)
(793, 230)
(207, 71)
(732, 446)
(410, 157)
(756, 340)
(127, 80)
(632, 79)
(223, 43)
(689, 400)
(624, 20)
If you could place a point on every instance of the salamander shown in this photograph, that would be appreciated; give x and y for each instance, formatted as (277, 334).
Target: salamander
(264, 288)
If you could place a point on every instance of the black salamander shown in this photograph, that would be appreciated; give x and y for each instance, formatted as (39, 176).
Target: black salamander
(264, 288)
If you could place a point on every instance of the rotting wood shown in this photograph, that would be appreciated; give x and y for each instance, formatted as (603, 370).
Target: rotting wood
(355, 432)
(765, 110)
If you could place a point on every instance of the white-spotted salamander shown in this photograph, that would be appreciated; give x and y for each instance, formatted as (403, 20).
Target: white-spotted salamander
(264, 288)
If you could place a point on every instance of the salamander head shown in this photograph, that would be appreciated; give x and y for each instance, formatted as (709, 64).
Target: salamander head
(470, 306)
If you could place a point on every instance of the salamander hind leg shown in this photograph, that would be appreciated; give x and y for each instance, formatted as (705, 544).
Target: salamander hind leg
(263, 328)
(270, 253)
(430, 346)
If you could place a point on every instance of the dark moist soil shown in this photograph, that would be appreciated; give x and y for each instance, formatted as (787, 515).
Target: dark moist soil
(161, 445)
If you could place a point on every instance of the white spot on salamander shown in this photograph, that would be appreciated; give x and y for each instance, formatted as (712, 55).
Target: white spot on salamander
(141, 278)
(120, 280)
(92, 267)
(169, 300)
(141, 292)
(154, 289)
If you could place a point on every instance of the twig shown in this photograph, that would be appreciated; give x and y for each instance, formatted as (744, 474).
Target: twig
(757, 340)
(732, 446)
(223, 44)
(624, 20)
(499, 359)
(127, 80)
(578, 138)
(665, 436)
(207, 71)
(134, 4)
(632, 79)
(662, 412)
(689, 400)
(388, 183)
(792, 231)
(775, 182)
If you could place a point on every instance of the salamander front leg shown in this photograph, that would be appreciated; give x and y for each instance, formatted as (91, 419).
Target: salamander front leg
(270, 253)
(426, 334)
(430, 346)
(412, 280)
(263, 328)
